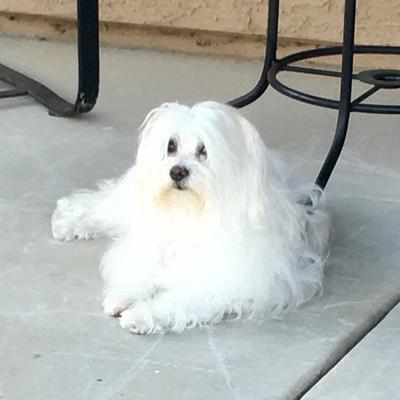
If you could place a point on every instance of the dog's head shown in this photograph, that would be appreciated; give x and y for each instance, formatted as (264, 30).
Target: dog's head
(201, 157)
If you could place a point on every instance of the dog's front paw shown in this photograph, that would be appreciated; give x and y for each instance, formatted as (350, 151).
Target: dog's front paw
(67, 221)
(61, 227)
(138, 320)
(114, 308)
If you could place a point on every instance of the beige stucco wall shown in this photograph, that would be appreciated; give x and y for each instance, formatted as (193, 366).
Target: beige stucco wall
(232, 26)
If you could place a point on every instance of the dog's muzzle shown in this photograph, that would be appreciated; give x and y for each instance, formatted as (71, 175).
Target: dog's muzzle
(178, 173)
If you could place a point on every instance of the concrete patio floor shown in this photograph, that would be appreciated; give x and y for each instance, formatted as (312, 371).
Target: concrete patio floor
(55, 342)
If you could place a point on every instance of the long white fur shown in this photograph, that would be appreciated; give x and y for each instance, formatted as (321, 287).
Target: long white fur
(236, 241)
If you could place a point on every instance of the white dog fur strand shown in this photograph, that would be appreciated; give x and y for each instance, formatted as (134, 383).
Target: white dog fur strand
(235, 240)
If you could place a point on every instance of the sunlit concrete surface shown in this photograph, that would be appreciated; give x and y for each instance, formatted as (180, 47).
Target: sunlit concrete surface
(55, 341)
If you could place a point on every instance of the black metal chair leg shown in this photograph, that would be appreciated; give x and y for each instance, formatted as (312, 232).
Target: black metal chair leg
(88, 57)
(345, 95)
(270, 57)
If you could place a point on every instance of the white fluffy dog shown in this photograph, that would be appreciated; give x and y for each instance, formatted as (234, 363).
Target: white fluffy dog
(204, 225)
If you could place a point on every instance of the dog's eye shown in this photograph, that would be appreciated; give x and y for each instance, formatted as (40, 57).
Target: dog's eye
(172, 146)
(201, 151)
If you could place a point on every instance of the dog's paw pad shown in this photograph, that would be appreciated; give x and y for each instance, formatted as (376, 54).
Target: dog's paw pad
(137, 322)
(139, 330)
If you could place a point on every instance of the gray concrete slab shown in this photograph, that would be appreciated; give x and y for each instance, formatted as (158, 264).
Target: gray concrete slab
(55, 342)
(370, 371)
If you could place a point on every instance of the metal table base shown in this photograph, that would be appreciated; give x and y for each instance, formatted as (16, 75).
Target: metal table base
(378, 79)
(88, 60)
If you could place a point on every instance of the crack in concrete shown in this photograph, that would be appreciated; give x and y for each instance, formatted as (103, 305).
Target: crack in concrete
(220, 360)
(130, 374)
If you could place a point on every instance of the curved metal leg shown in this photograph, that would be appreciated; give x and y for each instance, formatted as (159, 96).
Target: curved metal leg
(345, 106)
(88, 56)
(43, 95)
(270, 57)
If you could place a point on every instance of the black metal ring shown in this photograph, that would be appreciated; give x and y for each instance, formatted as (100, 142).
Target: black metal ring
(279, 65)
(382, 78)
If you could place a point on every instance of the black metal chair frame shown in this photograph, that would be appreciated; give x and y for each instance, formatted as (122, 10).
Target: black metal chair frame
(88, 60)
(379, 79)
(88, 55)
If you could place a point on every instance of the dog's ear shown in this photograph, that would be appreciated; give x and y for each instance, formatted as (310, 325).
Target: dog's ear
(266, 187)
(256, 174)
(151, 118)
(148, 126)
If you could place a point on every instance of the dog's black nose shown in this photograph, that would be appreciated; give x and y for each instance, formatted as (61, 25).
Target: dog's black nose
(178, 173)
